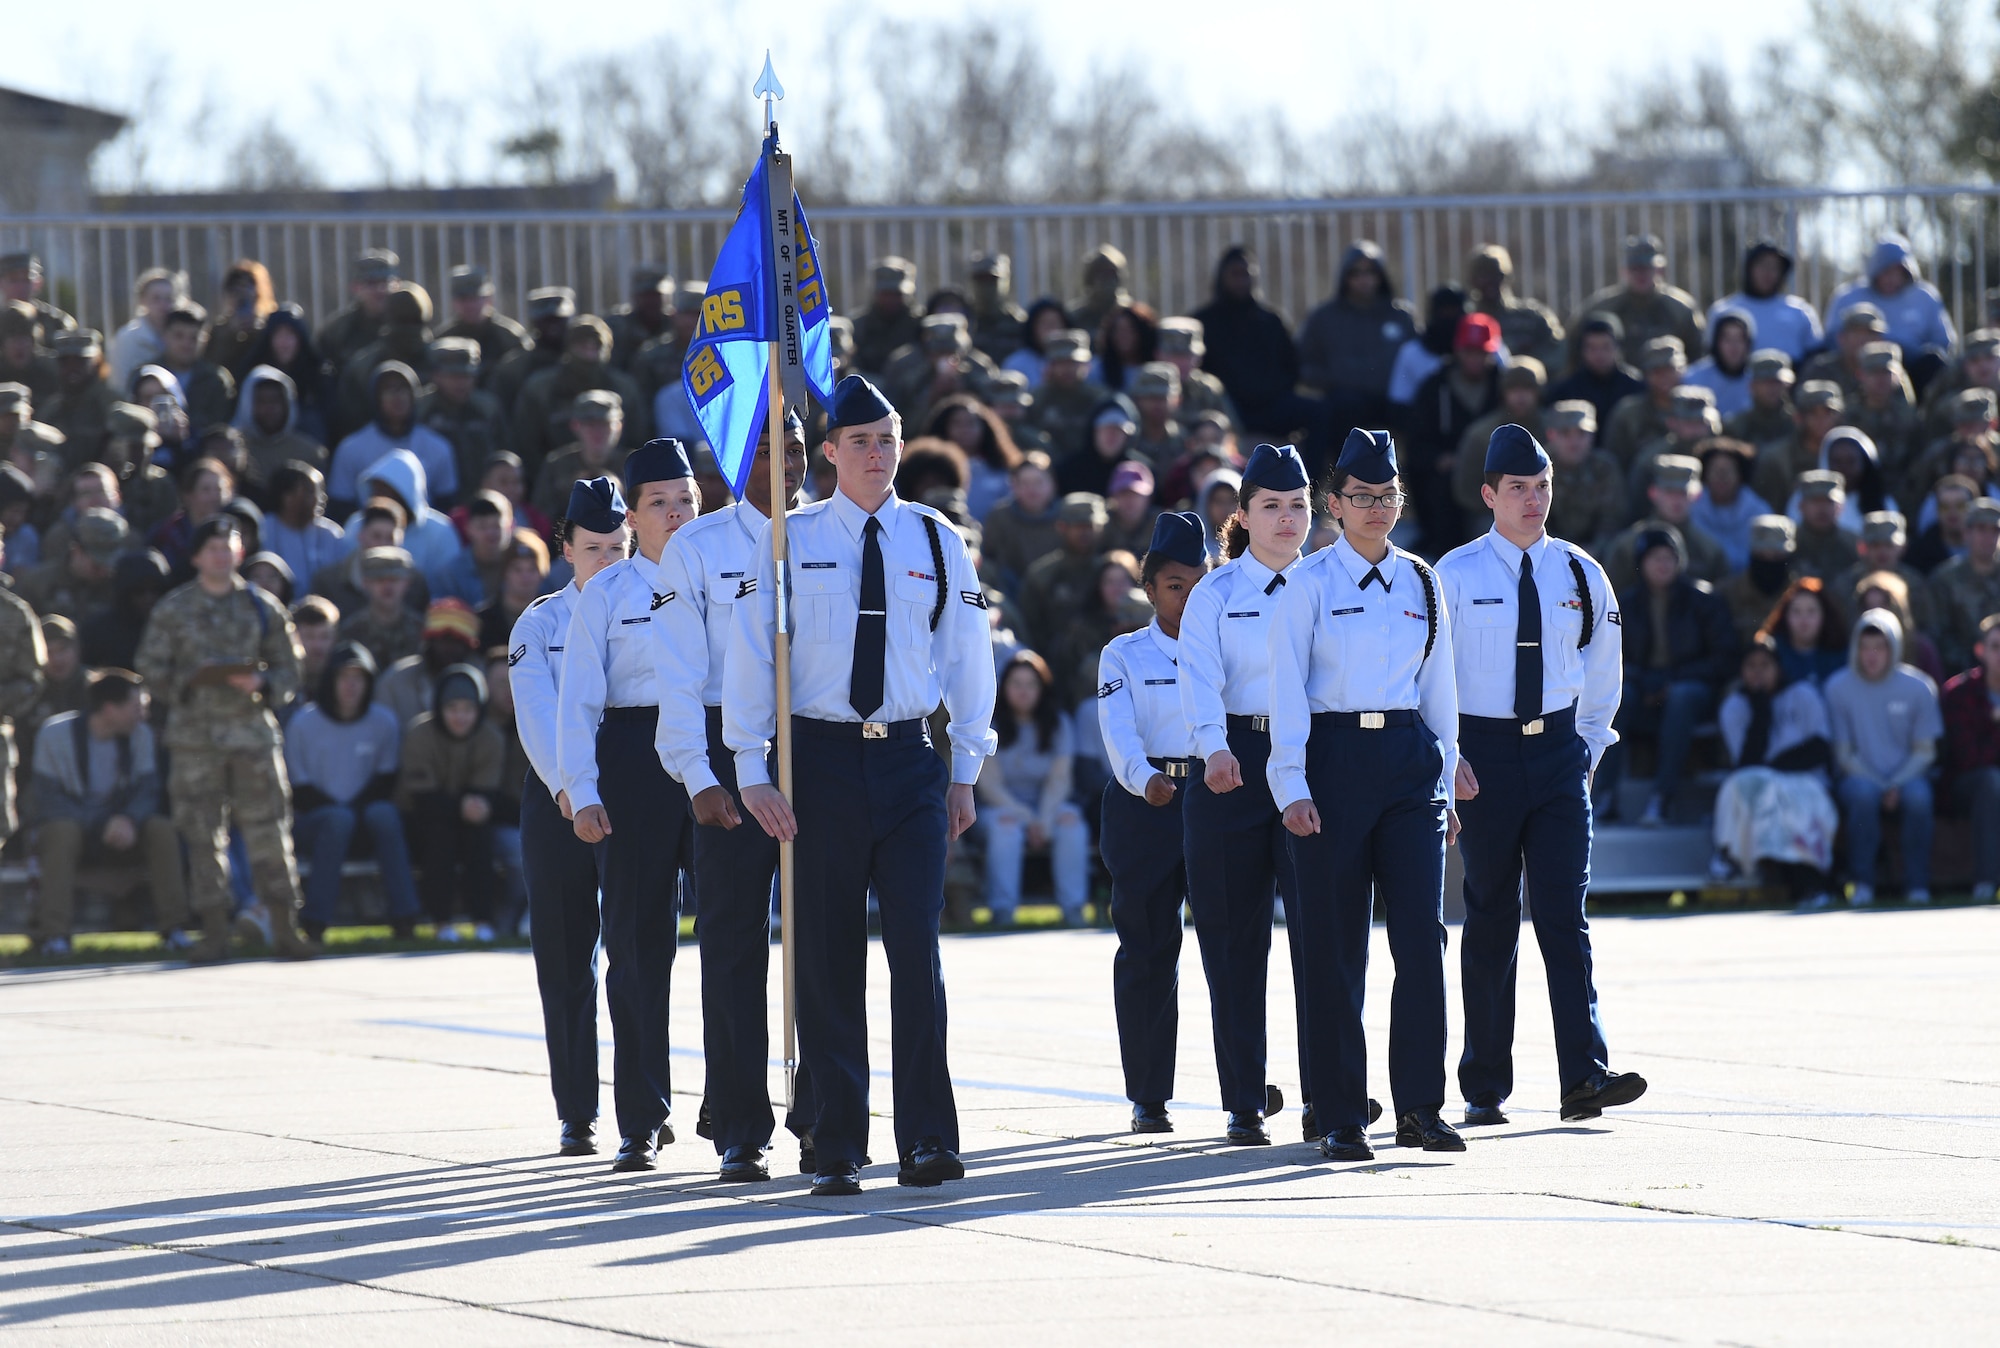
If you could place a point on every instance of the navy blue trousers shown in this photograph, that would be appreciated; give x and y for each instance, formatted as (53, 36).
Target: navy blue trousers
(1237, 861)
(561, 875)
(871, 815)
(733, 871)
(1141, 845)
(1532, 813)
(1381, 801)
(639, 869)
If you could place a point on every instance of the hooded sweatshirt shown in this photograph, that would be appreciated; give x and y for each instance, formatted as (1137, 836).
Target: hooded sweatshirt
(1348, 349)
(268, 453)
(441, 766)
(1918, 321)
(1884, 730)
(1857, 503)
(1784, 322)
(336, 762)
(1250, 347)
(361, 450)
(1220, 478)
(1732, 391)
(432, 542)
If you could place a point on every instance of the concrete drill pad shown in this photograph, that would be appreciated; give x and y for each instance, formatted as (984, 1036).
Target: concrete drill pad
(358, 1150)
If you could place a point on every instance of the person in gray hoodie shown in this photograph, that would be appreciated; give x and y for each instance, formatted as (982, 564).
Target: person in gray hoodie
(341, 754)
(1348, 345)
(267, 414)
(1886, 725)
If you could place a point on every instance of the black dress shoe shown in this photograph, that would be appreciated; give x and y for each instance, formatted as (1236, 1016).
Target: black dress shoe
(1423, 1128)
(1274, 1101)
(1151, 1119)
(843, 1181)
(578, 1139)
(1310, 1120)
(1346, 1144)
(1247, 1130)
(634, 1153)
(703, 1125)
(929, 1164)
(744, 1165)
(1599, 1091)
(1374, 1111)
(1484, 1116)
(666, 1135)
(808, 1155)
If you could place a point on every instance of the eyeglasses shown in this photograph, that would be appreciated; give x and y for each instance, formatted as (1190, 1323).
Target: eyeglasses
(1362, 500)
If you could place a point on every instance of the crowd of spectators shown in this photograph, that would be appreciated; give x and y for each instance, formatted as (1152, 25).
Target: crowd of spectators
(1800, 512)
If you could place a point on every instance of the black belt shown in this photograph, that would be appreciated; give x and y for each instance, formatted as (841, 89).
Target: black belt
(1365, 720)
(915, 729)
(1260, 724)
(1173, 767)
(631, 714)
(1561, 721)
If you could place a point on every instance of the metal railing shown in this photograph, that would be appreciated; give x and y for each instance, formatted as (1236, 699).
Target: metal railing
(1564, 246)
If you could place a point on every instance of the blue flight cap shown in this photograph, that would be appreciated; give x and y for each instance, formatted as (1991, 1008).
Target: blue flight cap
(793, 421)
(1274, 468)
(1515, 451)
(595, 505)
(655, 461)
(1178, 536)
(856, 402)
(1368, 456)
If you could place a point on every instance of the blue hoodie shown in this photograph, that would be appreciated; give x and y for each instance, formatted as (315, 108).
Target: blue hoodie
(430, 539)
(359, 451)
(1732, 391)
(1784, 322)
(1918, 321)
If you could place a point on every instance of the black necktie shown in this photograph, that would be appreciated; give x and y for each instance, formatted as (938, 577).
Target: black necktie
(1528, 648)
(1277, 583)
(1375, 574)
(871, 630)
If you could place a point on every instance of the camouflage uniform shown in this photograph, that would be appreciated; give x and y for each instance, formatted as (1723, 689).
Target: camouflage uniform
(1528, 327)
(999, 325)
(351, 328)
(145, 489)
(541, 418)
(1158, 379)
(80, 414)
(1827, 554)
(1468, 470)
(227, 765)
(913, 369)
(1053, 593)
(1064, 414)
(1962, 597)
(497, 335)
(476, 427)
(630, 330)
(1665, 311)
(387, 641)
(1587, 505)
(1706, 560)
(54, 588)
(1772, 538)
(22, 659)
(878, 336)
(545, 306)
(1954, 379)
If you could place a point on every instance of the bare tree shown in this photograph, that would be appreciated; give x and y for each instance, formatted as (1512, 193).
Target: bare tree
(265, 159)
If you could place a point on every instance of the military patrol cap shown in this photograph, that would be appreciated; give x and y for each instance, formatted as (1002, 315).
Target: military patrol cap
(1597, 320)
(1178, 536)
(944, 334)
(596, 404)
(651, 276)
(1571, 414)
(470, 283)
(1973, 406)
(663, 460)
(1279, 468)
(101, 533)
(17, 319)
(1883, 526)
(1070, 344)
(455, 353)
(1645, 250)
(1156, 379)
(129, 421)
(595, 505)
(895, 273)
(451, 618)
(1130, 475)
(1984, 342)
(1009, 388)
(1513, 450)
(1822, 483)
(856, 402)
(1676, 472)
(85, 342)
(1660, 535)
(1661, 352)
(551, 302)
(1524, 372)
(1181, 337)
(13, 262)
(1866, 316)
(1771, 364)
(990, 264)
(14, 397)
(691, 293)
(1821, 393)
(1691, 402)
(1082, 507)
(1984, 510)
(1368, 456)
(1878, 356)
(1773, 534)
(379, 563)
(377, 264)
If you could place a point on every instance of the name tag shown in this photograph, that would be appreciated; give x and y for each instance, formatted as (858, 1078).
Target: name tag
(818, 566)
(1477, 602)
(1344, 612)
(1253, 613)
(729, 575)
(1160, 683)
(627, 622)
(555, 650)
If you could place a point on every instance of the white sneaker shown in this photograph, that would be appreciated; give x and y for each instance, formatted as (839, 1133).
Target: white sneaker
(1862, 897)
(483, 933)
(55, 948)
(448, 933)
(1817, 903)
(1655, 815)
(1918, 896)
(1982, 893)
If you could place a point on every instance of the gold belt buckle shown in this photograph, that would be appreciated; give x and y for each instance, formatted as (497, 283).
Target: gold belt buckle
(874, 730)
(1373, 720)
(1533, 727)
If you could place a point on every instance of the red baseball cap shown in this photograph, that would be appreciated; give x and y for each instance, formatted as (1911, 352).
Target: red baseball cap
(1477, 330)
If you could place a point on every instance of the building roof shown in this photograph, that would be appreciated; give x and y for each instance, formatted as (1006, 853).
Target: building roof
(19, 108)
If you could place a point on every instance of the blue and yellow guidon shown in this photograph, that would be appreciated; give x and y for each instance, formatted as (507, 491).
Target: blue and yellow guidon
(727, 367)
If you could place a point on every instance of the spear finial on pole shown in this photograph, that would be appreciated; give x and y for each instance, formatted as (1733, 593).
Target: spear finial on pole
(768, 88)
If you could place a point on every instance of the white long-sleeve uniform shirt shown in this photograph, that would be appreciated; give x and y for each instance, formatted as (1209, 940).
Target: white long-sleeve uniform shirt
(1337, 647)
(534, 672)
(920, 667)
(1225, 654)
(1139, 705)
(702, 569)
(609, 660)
(1482, 588)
